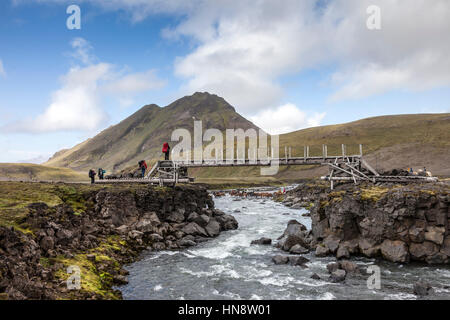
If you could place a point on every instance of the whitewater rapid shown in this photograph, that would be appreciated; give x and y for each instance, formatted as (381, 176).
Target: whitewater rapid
(228, 267)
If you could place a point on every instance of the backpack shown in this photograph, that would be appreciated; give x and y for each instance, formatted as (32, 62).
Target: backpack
(165, 147)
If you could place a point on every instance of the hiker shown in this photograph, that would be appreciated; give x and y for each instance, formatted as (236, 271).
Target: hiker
(101, 173)
(143, 167)
(166, 150)
(92, 175)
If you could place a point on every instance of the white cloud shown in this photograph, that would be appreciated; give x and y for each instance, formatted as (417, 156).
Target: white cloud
(83, 50)
(252, 46)
(74, 107)
(286, 118)
(242, 49)
(77, 105)
(135, 82)
(2, 69)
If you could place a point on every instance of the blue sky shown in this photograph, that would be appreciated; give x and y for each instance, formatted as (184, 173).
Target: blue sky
(286, 66)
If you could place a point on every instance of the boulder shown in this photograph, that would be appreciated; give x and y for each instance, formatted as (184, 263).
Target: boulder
(416, 234)
(176, 216)
(368, 249)
(47, 243)
(64, 234)
(159, 246)
(295, 233)
(298, 249)
(338, 276)
(332, 243)
(422, 288)
(298, 260)
(315, 276)
(154, 237)
(279, 259)
(437, 258)
(332, 267)
(419, 251)
(445, 249)
(194, 229)
(212, 228)
(352, 246)
(395, 251)
(227, 222)
(435, 234)
(348, 266)
(202, 220)
(262, 241)
(135, 234)
(119, 279)
(322, 251)
(148, 221)
(123, 229)
(186, 243)
(342, 252)
(192, 217)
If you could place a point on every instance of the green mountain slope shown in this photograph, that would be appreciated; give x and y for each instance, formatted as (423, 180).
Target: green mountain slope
(397, 141)
(30, 172)
(141, 135)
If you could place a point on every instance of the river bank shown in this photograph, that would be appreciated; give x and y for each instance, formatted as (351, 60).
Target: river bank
(47, 228)
(231, 267)
(399, 223)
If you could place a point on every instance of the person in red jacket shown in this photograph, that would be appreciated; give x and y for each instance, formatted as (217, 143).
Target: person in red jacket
(166, 150)
(143, 167)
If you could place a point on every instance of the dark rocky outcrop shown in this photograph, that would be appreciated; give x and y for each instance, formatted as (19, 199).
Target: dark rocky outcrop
(395, 222)
(296, 238)
(422, 288)
(114, 227)
(262, 241)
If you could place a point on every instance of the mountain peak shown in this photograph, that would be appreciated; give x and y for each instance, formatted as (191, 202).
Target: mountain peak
(140, 136)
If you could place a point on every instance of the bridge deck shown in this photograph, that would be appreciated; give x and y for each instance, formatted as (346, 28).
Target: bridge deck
(258, 163)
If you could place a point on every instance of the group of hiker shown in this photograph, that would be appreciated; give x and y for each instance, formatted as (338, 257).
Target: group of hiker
(101, 174)
(142, 165)
(421, 172)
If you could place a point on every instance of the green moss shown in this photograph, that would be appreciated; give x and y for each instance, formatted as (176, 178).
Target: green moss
(373, 194)
(15, 197)
(309, 206)
(72, 197)
(324, 203)
(93, 281)
(45, 262)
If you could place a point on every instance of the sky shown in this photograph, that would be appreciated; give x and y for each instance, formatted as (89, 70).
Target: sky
(285, 65)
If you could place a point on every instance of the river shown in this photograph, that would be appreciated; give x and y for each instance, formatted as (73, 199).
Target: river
(228, 267)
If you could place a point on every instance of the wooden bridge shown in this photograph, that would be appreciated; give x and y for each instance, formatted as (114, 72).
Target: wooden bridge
(341, 167)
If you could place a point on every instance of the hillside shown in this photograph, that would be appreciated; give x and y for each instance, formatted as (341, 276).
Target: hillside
(29, 172)
(397, 141)
(141, 135)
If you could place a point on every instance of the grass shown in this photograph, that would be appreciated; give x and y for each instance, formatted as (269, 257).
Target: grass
(15, 197)
(34, 172)
(374, 133)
